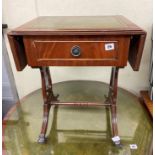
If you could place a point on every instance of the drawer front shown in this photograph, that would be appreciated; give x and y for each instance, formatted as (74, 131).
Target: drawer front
(77, 51)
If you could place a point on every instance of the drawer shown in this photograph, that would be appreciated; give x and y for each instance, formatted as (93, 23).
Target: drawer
(77, 50)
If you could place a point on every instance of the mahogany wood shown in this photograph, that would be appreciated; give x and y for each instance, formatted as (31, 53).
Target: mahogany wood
(96, 27)
(81, 103)
(136, 49)
(146, 101)
(113, 97)
(53, 51)
(83, 25)
(49, 41)
(18, 51)
(48, 96)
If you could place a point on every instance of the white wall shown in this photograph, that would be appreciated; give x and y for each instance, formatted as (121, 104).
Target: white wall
(17, 12)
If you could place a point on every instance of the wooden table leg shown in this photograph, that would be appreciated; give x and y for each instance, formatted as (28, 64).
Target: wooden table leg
(112, 97)
(48, 96)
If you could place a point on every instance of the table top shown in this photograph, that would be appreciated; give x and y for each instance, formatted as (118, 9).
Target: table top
(49, 24)
(75, 27)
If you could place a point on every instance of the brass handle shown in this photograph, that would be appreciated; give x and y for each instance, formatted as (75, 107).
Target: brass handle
(76, 51)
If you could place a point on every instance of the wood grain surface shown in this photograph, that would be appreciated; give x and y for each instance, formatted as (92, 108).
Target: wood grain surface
(57, 51)
(47, 41)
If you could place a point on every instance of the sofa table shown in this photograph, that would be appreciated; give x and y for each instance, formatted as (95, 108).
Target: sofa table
(77, 41)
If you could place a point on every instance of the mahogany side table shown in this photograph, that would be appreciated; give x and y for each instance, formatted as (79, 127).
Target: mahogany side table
(77, 41)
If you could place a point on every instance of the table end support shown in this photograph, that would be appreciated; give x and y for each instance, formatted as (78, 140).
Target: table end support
(48, 97)
(112, 98)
